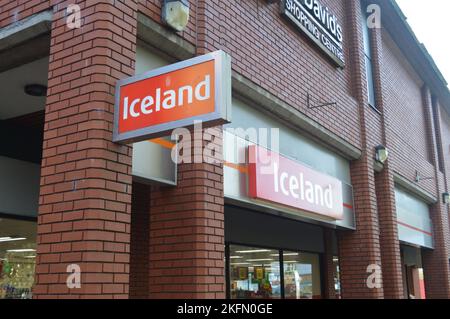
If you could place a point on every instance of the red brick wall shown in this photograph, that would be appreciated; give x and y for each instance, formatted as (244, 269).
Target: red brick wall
(187, 234)
(384, 181)
(409, 133)
(85, 196)
(444, 121)
(436, 275)
(406, 126)
(436, 261)
(12, 10)
(389, 243)
(268, 50)
(360, 248)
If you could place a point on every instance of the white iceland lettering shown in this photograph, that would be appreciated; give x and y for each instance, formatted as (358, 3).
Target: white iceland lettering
(299, 187)
(167, 100)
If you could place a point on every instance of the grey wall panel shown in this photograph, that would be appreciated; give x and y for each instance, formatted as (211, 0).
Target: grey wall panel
(292, 144)
(413, 217)
(19, 187)
(253, 228)
(236, 187)
(152, 162)
(412, 256)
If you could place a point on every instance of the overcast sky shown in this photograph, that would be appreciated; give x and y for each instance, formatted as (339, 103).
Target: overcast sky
(431, 23)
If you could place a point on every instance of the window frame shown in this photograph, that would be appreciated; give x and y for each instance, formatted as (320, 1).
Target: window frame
(368, 60)
(280, 260)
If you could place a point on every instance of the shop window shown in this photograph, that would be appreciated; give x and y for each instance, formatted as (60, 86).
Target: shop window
(254, 273)
(301, 275)
(437, 134)
(259, 273)
(337, 277)
(17, 258)
(368, 60)
(413, 276)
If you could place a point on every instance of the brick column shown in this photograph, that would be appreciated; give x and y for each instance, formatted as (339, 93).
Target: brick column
(385, 190)
(360, 248)
(187, 234)
(390, 245)
(436, 261)
(84, 205)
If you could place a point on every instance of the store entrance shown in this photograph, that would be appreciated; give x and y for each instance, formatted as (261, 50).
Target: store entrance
(272, 257)
(412, 271)
(262, 273)
(23, 89)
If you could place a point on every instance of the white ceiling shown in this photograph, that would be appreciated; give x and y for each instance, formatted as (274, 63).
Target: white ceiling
(13, 100)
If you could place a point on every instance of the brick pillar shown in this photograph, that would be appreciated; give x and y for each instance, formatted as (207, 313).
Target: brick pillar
(85, 196)
(139, 250)
(390, 245)
(187, 234)
(328, 267)
(360, 248)
(385, 189)
(436, 261)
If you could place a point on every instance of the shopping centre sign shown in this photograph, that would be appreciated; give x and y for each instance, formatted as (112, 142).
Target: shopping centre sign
(277, 179)
(319, 24)
(155, 103)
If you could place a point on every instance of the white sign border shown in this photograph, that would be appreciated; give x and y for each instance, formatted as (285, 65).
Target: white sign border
(222, 99)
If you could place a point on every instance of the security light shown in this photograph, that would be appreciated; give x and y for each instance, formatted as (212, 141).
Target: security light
(446, 198)
(381, 154)
(175, 13)
(35, 90)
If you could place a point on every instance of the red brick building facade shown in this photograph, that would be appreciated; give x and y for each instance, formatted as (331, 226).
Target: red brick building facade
(133, 240)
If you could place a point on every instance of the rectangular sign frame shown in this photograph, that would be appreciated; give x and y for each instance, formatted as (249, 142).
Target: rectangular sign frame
(258, 189)
(222, 99)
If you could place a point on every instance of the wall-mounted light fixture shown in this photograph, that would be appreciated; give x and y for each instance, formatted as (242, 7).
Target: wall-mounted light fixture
(381, 154)
(446, 198)
(175, 13)
(35, 90)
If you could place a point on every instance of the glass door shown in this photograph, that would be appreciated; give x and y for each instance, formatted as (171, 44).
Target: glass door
(260, 273)
(301, 275)
(254, 273)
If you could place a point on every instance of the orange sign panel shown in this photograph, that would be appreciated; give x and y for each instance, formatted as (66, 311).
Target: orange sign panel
(153, 104)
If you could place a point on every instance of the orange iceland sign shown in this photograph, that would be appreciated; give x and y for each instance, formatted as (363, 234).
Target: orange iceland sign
(153, 104)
